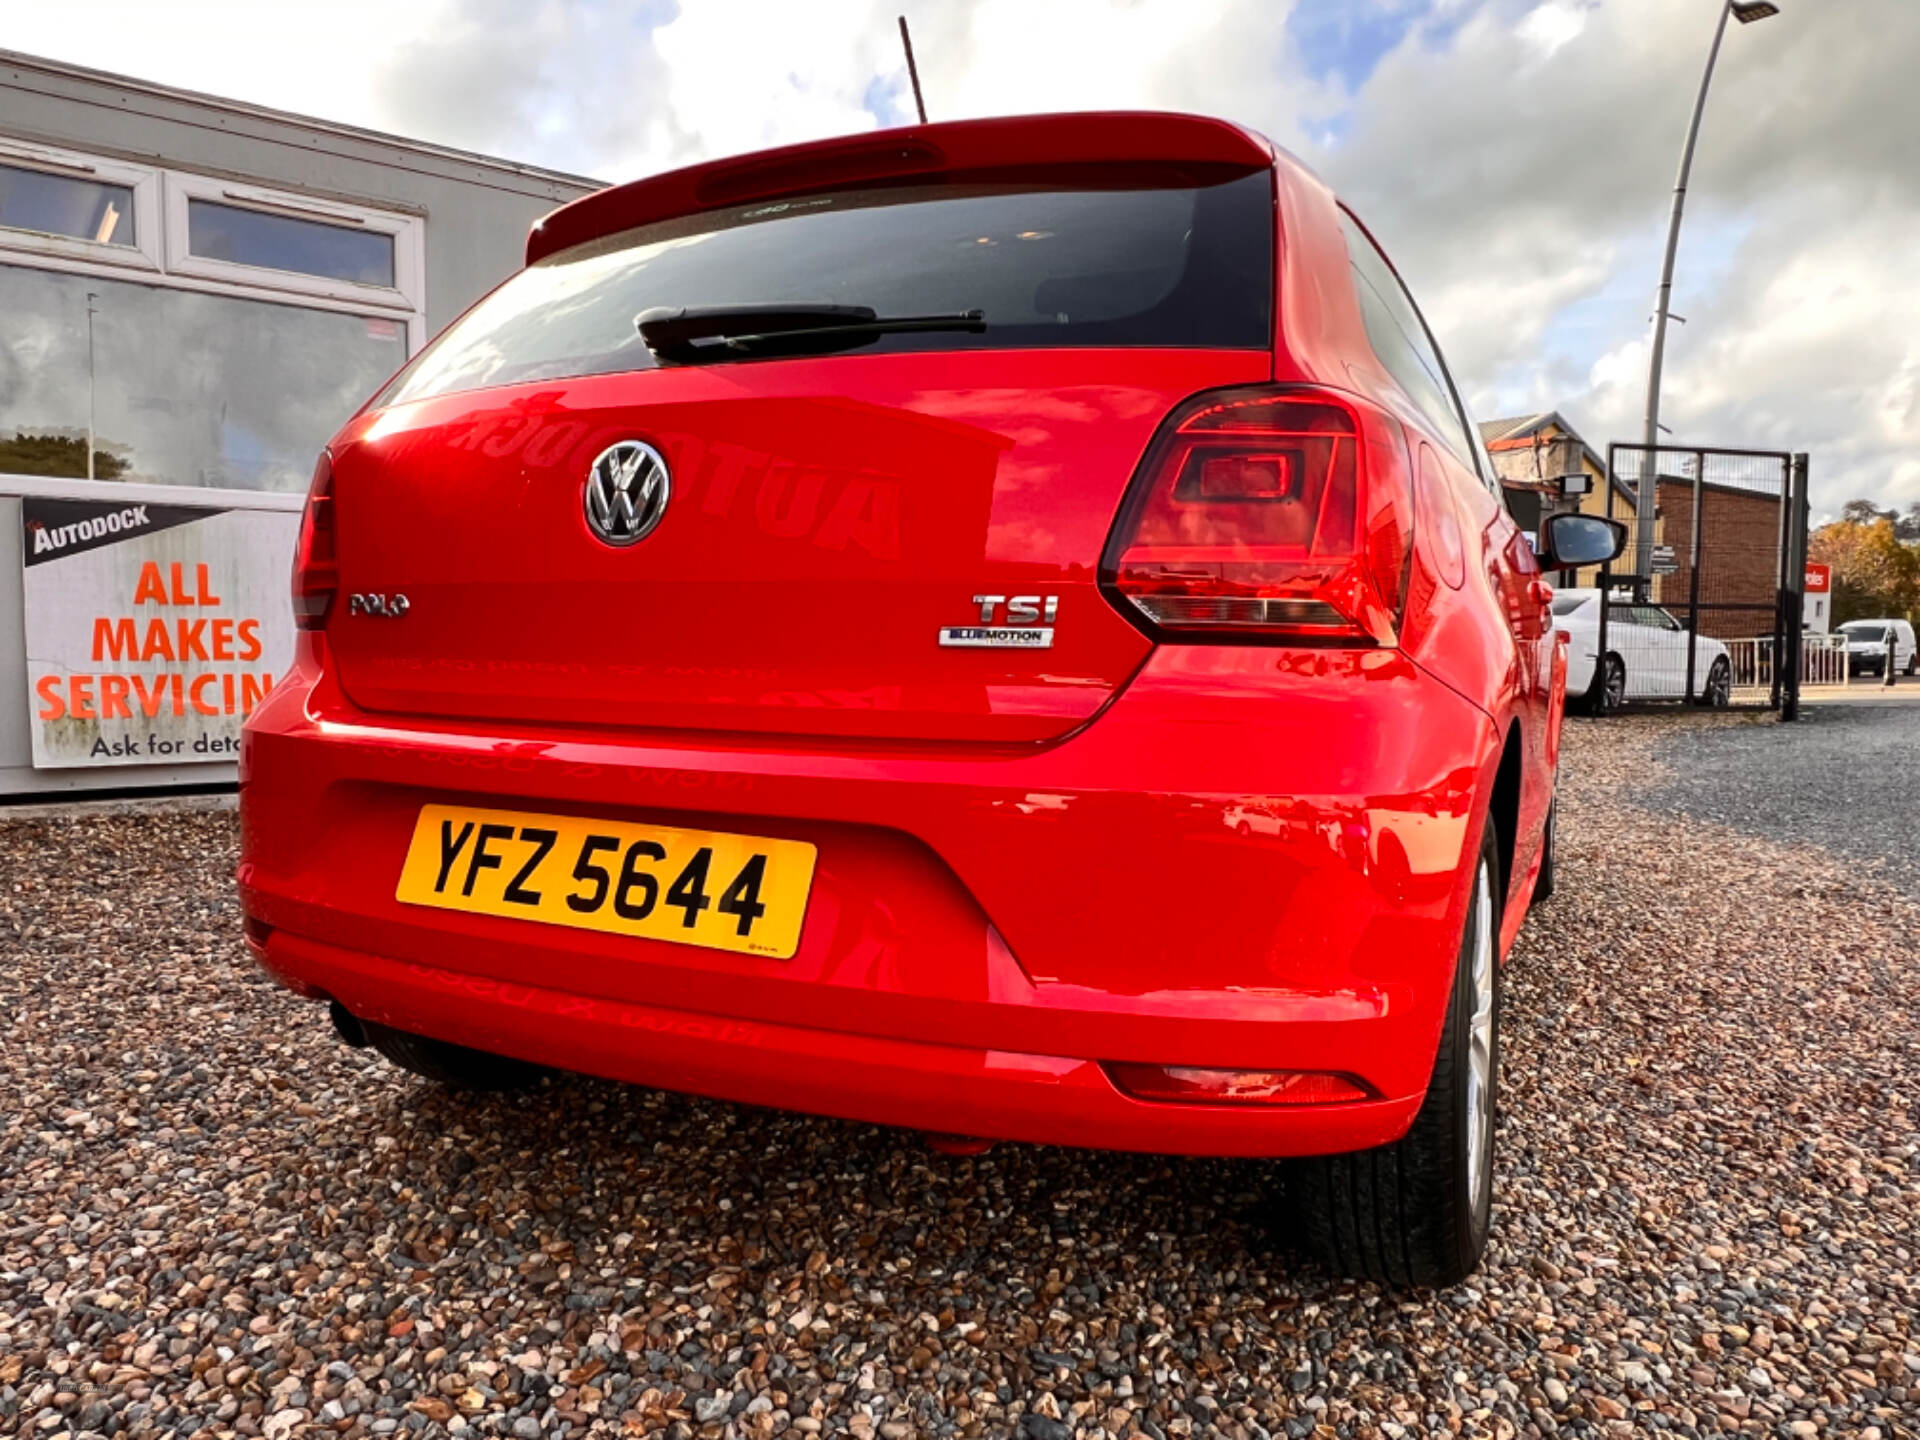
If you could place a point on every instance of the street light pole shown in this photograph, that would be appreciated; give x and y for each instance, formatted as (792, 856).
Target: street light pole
(1747, 12)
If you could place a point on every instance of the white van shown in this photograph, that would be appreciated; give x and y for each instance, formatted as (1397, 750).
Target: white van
(1867, 647)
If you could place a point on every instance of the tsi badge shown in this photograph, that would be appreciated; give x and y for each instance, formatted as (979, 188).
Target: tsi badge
(1029, 624)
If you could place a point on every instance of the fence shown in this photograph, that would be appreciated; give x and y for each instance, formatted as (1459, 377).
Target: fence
(1823, 661)
(1706, 603)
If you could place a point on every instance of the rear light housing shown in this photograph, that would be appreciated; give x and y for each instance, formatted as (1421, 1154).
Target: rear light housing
(1275, 514)
(1193, 1085)
(316, 572)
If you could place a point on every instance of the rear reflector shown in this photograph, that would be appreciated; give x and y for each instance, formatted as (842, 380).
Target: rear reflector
(315, 571)
(1192, 1086)
(1268, 512)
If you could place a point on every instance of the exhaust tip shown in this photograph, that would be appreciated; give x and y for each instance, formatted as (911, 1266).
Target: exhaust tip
(349, 1029)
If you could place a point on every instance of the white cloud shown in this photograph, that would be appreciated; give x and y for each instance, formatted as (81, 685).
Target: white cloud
(1550, 26)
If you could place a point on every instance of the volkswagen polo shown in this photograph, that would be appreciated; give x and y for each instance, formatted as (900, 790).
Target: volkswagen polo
(1003, 628)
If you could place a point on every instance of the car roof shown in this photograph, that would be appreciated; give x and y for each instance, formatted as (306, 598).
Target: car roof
(949, 152)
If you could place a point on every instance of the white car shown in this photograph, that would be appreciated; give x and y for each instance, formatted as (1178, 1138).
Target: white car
(1867, 647)
(1646, 654)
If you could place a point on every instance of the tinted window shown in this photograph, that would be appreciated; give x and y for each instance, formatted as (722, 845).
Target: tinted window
(1186, 266)
(64, 205)
(1567, 604)
(281, 242)
(1400, 340)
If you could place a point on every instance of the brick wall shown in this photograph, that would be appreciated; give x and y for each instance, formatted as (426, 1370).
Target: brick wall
(1740, 556)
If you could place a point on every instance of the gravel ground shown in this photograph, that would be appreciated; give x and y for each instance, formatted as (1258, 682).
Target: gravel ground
(1846, 778)
(214, 1219)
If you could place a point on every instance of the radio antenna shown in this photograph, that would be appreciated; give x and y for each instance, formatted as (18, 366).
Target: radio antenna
(913, 71)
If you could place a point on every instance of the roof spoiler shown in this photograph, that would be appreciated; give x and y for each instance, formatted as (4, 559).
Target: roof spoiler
(951, 152)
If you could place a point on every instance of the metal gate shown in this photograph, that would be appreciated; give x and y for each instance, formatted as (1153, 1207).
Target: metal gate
(1704, 606)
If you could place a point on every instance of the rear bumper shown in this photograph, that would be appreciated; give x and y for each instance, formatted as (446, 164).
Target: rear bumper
(1007, 1095)
(1252, 859)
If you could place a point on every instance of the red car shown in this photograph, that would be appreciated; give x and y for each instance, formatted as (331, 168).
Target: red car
(1003, 628)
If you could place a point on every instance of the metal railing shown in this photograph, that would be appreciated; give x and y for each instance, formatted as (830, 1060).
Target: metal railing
(1823, 661)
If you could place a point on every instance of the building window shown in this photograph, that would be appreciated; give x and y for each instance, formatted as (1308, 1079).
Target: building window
(247, 236)
(177, 387)
(282, 242)
(70, 205)
(176, 329)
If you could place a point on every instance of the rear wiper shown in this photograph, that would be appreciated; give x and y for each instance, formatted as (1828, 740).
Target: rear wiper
(691, 334)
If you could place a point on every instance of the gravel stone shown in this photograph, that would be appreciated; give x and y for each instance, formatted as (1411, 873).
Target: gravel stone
(216, 1221)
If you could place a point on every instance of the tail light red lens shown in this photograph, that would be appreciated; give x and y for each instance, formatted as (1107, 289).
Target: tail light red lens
(316, 574)
(1283, 514)
(1190, 1085)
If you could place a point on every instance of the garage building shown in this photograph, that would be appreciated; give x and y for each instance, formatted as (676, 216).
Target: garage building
(194, 294)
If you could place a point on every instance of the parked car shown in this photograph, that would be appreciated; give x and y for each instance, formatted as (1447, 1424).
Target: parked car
(867, 682)
(1867, 647)
(1646, 654)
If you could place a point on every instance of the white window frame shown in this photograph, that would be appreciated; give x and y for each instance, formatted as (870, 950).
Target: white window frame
(159, 255)
(407, 294)
(148, 239)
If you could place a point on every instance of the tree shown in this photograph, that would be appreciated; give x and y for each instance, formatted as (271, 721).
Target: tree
(1875, 573)
(56, 455)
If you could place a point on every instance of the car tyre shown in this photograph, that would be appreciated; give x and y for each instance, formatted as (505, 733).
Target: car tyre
(1608, 691)
(444, 1063)
(1718, 693)
(1418, 1212)
(1544, 881)
(1913, 664)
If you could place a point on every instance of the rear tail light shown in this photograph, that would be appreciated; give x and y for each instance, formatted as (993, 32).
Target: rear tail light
(1190, 1085)
(1267, 513)
(316, 574)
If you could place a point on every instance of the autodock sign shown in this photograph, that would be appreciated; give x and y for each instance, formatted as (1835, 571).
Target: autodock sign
(152, 630)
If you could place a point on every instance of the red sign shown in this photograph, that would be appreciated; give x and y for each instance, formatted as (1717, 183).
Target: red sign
(1819, 578)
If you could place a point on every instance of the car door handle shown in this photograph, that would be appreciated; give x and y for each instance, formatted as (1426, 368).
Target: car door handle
(1540, 592)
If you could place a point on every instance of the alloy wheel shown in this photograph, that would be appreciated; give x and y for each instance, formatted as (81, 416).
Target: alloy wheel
(1719, 685)
(1480, 1077)
(1616, 683)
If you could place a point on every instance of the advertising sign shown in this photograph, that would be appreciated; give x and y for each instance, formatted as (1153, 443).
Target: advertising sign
(152, 630)
(1816, 599)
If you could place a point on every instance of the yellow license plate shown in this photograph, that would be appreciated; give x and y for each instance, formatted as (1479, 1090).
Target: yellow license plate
(695, 887)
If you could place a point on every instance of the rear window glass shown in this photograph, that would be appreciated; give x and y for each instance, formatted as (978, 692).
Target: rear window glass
(1567, 604)
(1174, 266)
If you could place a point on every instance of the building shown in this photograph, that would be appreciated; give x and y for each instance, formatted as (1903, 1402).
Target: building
(1546, 468)
(194, 294)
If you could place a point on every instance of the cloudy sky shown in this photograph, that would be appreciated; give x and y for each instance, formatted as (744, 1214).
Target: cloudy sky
(1516, 157)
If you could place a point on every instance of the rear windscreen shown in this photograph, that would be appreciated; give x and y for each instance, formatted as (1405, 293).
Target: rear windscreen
(1173, 266)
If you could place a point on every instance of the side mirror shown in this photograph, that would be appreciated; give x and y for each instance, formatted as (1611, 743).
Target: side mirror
(1575, 540)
